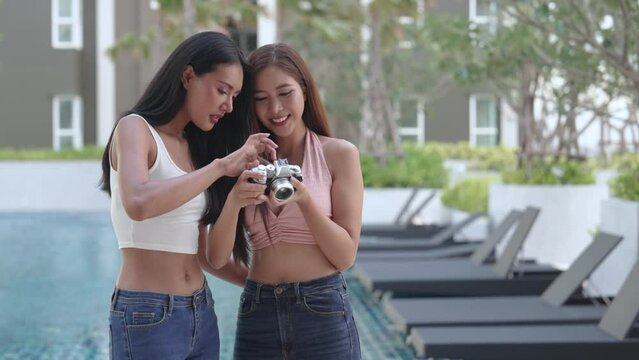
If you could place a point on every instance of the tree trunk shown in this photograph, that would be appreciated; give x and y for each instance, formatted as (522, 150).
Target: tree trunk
(189, 17)
(634, 123)
(602, 141)
(571, 122)
(159, 44)
(378, 122)
(527, 114)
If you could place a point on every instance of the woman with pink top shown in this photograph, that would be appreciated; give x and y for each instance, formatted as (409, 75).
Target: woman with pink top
(295, 303)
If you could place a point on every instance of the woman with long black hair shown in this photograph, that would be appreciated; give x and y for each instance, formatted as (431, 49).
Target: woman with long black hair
(168, 167)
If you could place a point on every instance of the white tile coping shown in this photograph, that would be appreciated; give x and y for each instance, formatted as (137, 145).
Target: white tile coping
(27, 186)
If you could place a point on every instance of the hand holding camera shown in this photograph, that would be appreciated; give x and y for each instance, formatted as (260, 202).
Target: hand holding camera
(246, 192)
(277, 178)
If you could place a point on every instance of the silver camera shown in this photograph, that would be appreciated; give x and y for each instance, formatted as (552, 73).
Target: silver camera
(276, 177)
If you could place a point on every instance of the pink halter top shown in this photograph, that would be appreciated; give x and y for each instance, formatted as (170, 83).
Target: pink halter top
(289, 225)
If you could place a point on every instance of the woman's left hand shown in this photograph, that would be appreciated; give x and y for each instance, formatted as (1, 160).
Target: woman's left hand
(301, 195)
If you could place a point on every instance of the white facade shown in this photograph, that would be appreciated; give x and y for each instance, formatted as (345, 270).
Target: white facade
(105, 77)
(267, 23)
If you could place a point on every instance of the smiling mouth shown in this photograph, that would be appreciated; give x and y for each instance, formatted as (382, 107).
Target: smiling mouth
(280, 121)
(215, 118)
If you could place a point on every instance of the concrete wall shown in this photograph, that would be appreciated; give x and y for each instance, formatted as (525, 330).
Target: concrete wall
(87, 71)
(447, 118)
(51, 186)
(381, 206)
(132, 72)
(618, 217)
(28, 186)
(32, 72)
(570, 215)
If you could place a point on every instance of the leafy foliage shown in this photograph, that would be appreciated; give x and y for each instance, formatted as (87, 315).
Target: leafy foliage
(332, 53)
(470, 194)
(482, 158)
(417, 168)
(169, 30)
(548, 171)
(626, 185)
(625, 161)
(329, 33)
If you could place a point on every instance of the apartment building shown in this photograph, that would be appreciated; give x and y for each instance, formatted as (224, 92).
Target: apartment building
(60, 89)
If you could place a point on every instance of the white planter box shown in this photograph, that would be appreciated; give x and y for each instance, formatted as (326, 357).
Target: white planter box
(51, 186)
(475, 231)
(569, 216)
(457, 170)
(604, 176)
(618, 217)
(382, 205)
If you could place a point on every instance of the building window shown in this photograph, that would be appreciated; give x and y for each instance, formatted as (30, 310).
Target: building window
(483, 15)
(243, 28)
(408, 20)
(66, 24)
(411, 120)
(67, 122)
(245, 38)
(484, 120)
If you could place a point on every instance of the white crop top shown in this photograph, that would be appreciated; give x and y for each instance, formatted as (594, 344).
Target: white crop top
(175, 231)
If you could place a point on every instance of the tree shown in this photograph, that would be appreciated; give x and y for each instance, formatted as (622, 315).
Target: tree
(605, 31)
(327, 36)
(178, 19)
(369, 32)
(549, 80)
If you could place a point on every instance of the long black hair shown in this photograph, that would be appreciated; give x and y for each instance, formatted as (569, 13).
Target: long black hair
(164, 97)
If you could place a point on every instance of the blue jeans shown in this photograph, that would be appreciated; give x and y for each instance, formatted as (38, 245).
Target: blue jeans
(147, 325)
(302, 320)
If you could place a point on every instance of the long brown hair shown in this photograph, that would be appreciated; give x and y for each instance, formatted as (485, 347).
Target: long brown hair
(314, 117)
(288, 60)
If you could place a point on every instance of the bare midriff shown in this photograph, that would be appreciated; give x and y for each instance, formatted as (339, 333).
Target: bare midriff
(160, 271)
(287, 262)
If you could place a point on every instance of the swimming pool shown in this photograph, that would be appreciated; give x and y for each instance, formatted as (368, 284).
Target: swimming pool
(57, 272)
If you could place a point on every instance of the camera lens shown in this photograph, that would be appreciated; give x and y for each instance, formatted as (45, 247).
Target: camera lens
(281, 189)
(283, 194)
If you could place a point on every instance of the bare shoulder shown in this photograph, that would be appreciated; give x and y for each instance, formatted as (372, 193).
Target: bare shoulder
(134, 128)
(132, 135)
(335, 147)
(132, 124)
(339, 153)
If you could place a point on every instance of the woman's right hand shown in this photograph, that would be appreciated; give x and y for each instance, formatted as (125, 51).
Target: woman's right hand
(245, 192)
(247, 156)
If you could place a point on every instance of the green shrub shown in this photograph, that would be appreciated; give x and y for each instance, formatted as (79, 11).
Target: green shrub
(495, 158)
(622, 160)
(87, 153)
(626, 185)
(625, 161)
(470, 195)
(480, 157)
(460, 150)
(562, 171)
(418, 168)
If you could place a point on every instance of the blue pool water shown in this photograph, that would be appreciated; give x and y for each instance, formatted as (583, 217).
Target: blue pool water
(57, 272)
